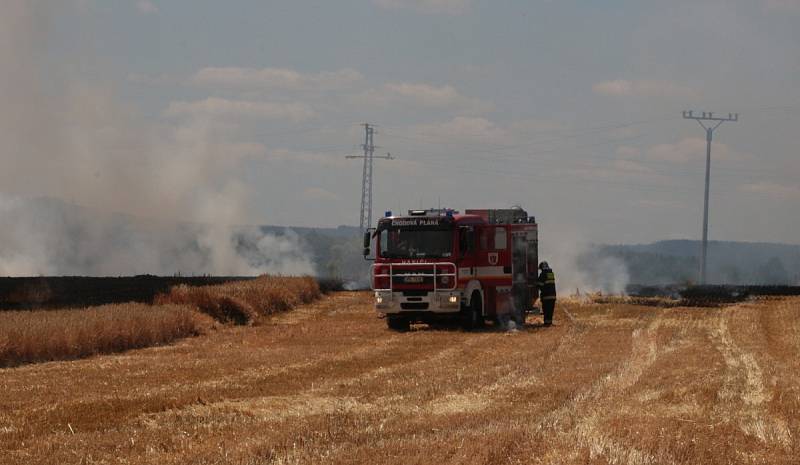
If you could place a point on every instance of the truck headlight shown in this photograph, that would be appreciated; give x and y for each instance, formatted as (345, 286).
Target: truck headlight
(452, 299)
(379, 299)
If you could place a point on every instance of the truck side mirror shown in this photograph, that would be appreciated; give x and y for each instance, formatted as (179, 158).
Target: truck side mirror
(367, 241)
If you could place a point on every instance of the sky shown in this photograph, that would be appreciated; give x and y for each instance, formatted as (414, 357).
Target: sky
(244, 111)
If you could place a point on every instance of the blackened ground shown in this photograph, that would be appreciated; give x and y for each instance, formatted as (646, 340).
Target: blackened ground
(81, 291)
(712, 294)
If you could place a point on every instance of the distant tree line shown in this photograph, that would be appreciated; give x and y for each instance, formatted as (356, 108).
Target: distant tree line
(677, 262)
(336, 253)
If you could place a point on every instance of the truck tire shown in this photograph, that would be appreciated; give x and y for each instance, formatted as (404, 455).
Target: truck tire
(398, 323)
(472, 315)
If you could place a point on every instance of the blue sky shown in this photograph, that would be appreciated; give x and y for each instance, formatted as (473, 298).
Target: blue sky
(569, 108)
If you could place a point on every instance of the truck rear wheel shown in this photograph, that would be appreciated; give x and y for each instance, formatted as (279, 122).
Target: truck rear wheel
(398, 323)
(472, 315)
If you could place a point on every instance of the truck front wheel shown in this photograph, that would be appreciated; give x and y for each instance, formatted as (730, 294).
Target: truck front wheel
(398, 323)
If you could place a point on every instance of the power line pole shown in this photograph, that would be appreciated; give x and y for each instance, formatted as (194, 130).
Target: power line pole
(709, 136)
(366, 181)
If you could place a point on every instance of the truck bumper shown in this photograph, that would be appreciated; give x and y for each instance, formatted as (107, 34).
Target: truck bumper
(396, 302)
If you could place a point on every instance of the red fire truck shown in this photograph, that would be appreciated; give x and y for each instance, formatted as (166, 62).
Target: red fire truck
(439, 263)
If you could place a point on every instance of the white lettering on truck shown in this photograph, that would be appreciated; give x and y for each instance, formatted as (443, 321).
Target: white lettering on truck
(415, 222)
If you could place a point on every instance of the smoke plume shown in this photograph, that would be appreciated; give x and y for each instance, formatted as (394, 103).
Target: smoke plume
(579, 267)
(68, 136)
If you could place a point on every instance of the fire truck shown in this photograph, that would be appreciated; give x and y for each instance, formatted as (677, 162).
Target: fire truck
(441, 264)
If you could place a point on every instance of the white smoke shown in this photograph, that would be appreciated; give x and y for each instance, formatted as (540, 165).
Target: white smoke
(284, 253)
(49, 237)
(578, 266)
(71, 138)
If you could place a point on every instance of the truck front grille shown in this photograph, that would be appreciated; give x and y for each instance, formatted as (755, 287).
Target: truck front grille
(414, 306)
(415, 293)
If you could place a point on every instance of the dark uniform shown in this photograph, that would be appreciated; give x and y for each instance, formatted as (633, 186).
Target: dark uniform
(547, 293)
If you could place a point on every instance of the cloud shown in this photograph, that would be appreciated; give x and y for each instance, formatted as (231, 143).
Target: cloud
(461, 129)
(617, 170)
(219, 107)
(152, 79)
(448, 7)
(146, 7)
(783, 5)
(237, 150)
(642, 88)
(274, 78)
(628, 152)
(773, 190)
(473, 131)
(422, 95)
(306, 157)
(686, 150)
(631, 167)
(538, 126)
(659, 204)
(318, 193)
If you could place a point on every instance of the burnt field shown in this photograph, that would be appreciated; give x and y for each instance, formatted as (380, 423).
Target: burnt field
(30, 293)
(78, 291)
(708, 295)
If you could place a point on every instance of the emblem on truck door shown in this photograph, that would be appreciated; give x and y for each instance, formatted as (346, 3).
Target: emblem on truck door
(493, 258)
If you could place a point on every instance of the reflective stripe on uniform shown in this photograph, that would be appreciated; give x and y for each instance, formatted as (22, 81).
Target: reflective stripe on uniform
(547, 284)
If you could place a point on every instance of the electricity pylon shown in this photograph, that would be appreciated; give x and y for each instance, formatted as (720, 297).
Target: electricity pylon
(709, 135)
(366, 182)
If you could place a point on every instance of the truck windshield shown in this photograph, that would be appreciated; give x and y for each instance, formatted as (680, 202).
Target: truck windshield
(416, 243)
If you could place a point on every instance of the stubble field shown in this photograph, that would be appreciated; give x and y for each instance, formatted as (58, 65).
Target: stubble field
(327, 383)
(184, 311)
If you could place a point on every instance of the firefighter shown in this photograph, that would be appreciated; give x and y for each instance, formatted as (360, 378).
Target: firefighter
(547, 292)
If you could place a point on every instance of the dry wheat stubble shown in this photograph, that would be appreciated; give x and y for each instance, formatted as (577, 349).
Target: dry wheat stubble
(331, 385)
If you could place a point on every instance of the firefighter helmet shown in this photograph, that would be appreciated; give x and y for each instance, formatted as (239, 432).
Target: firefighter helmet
(543, 265)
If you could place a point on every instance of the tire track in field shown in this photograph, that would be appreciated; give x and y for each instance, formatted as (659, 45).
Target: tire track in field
(319, 399)
(363, 349)
(514, 379)
(743, 394)
(442, 354)
(319, 396)
(591, 405)
(475, 400)
(450, 403)
(471, 402)
(329, 305)
(318, 392)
